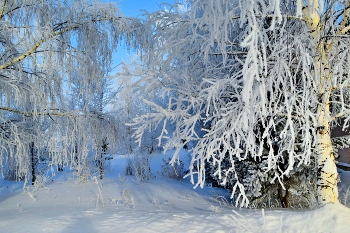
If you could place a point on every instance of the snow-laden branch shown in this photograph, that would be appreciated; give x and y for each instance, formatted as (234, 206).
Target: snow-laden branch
(53, 35)
(34, 113)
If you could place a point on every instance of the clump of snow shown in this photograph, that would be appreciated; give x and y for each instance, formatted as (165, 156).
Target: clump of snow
(119, 203)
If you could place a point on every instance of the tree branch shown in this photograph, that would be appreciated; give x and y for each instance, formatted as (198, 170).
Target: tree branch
(339, 115)
(41, 41)
(2, 10)
(271, 16)
(16, 8)
(33, 113)
(338, 87)
(229, 53)
(343, 29)
(50, 114)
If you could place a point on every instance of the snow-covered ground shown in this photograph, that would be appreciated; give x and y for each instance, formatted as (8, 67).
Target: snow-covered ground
(119, 204)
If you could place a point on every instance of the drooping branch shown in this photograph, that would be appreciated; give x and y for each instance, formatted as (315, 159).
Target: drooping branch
(58, 114)
(43, 40)
(34, 113)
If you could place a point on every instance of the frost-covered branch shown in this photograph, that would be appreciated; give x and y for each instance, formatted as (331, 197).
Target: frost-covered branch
(43, 40)
(33, 113)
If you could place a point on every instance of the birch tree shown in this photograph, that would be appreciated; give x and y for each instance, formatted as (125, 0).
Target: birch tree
(46, 46)
(129, 104)
(253, 80)
(93, 99)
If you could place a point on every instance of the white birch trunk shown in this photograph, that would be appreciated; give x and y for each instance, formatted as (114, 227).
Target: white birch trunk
(327, 175)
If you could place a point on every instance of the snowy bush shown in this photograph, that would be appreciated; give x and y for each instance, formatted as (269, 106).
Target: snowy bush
(11, 173)
(89, 167)
(41, 181)
(175, 171)
(82, 173)
(129, 167)
(99, 197)
(139, 166)
(127, 198)
(262, 186)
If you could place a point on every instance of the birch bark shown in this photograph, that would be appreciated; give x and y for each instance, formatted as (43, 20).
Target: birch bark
(327, 175)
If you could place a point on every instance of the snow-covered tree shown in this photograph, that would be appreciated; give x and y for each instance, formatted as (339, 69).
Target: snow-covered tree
(93, 99)
(239, 70)
(46, 47)
(127, 106)
(130, 104)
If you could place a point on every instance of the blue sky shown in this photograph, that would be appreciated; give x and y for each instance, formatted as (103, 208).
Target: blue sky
(133, 8)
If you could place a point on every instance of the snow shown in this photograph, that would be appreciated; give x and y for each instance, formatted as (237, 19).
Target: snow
(119, 204)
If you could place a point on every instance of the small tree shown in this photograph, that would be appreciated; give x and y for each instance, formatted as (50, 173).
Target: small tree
(130, 104)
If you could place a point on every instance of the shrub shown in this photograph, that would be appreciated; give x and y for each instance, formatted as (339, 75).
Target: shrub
(175, 171)
(139, 166)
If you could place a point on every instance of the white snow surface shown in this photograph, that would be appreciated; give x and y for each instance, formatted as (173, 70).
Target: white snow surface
(161, 205)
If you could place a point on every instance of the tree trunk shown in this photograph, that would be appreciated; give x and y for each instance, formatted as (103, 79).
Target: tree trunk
(101, 160)
(284, 193)
(327, 175)
(101, 165)
(284, 196)
(32, 157)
